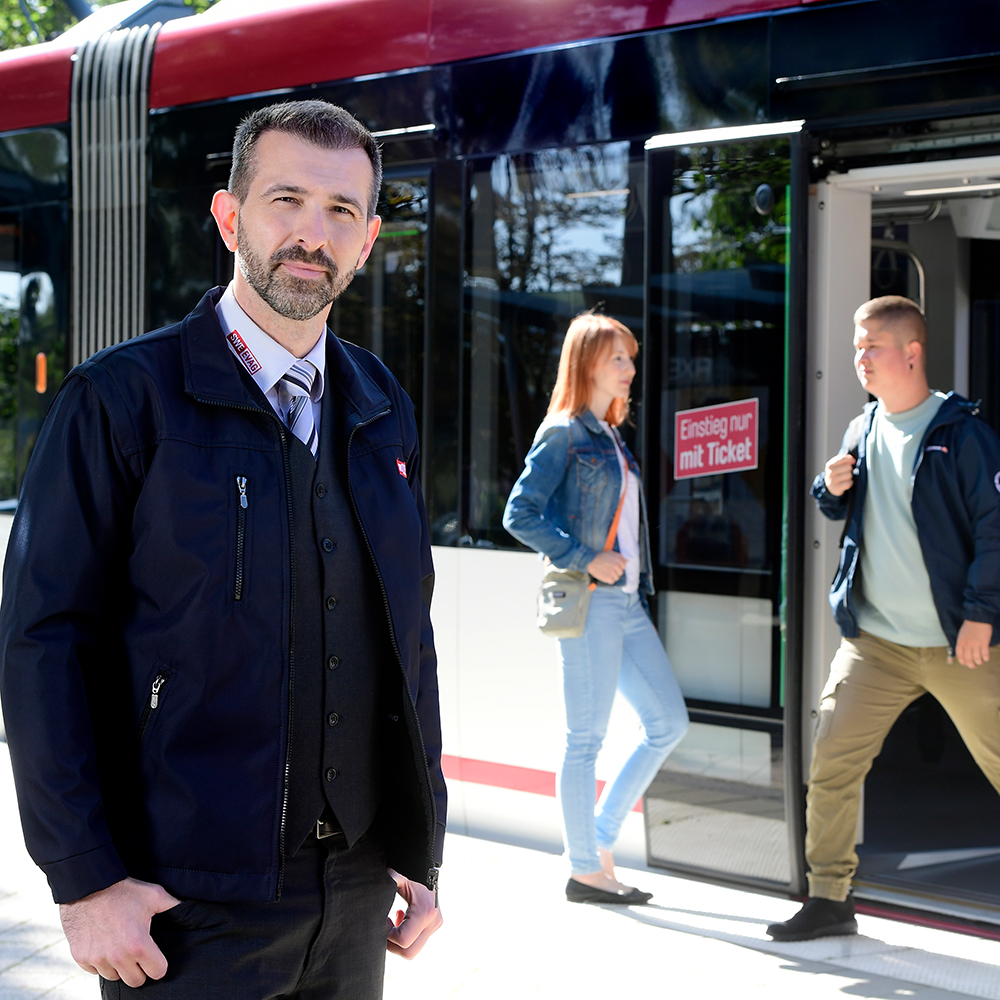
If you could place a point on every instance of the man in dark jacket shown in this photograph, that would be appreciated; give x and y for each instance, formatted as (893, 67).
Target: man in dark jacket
(917, 590)
(218, 670)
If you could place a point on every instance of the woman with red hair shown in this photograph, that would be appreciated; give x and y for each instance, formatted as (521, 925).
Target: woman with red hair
(579, 479)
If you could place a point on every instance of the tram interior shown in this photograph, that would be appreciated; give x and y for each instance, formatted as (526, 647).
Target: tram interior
(930, 828)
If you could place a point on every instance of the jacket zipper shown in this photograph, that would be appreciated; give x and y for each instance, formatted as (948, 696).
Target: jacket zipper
(287, 465)
(432, 870)
(151, 705)
(241, 532)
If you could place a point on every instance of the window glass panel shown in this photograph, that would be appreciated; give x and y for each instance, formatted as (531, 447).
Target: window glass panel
(725, 342)
(717, 804)
(383, 309)
(717, 308)
(718, 300)
(551, 233)
(10, 315)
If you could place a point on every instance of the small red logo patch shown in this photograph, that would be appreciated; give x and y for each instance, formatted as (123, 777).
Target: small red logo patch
(244, 353)
(401, 467)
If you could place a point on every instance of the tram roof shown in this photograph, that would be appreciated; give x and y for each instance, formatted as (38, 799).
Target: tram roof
(256, 46)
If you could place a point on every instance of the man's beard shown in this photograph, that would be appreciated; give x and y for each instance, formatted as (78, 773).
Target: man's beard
(294, 298)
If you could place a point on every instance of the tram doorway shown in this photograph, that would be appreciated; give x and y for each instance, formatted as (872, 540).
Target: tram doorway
(929, 834)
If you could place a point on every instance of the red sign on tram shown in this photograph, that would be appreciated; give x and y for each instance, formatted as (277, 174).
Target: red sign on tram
(714, 439)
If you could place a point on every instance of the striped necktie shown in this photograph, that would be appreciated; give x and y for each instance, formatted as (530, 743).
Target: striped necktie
(295, 391)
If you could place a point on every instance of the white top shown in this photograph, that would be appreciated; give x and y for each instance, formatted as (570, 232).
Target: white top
(264, 358)
(628, 524)
(897, 604)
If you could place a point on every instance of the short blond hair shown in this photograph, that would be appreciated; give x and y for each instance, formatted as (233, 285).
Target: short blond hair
(902, 315)
(589, 338)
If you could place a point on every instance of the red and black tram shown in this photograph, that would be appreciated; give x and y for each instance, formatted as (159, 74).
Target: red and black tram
(729, 178)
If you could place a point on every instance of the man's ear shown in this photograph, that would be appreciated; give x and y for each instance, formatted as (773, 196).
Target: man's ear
(373, 229)
(226, 212)
(914, 353)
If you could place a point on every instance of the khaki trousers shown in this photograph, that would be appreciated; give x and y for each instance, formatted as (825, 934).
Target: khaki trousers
(871, 682)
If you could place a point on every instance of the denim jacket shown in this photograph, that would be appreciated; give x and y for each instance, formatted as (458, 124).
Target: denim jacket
(564, 501)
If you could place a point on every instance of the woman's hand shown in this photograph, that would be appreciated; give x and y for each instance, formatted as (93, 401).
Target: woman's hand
(607, 566)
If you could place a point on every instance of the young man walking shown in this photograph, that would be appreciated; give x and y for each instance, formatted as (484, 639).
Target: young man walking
(916, 596)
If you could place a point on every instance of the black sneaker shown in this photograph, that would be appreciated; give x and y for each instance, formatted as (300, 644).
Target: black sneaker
(818, 918)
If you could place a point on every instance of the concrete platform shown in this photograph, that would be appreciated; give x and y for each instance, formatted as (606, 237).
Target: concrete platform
(510, 934)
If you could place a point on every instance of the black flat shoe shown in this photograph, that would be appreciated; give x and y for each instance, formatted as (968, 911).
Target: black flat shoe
(818, 918)
(578, 892)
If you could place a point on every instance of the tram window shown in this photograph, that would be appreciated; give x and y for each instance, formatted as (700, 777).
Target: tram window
(384, 308)
(893, 273)
(552, 233)
(10, 314)
(718, 307)
(718, 803)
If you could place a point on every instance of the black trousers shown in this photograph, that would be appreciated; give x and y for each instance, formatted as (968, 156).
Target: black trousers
(325, 937)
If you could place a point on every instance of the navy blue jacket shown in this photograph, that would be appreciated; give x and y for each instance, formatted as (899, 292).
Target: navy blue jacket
(122, 565)
(956, 507)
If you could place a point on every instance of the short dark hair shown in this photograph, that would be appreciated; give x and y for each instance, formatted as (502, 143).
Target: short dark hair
(902, 314)
(319, 122)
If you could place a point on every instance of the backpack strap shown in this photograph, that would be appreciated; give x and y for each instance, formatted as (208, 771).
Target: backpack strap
(852, 438)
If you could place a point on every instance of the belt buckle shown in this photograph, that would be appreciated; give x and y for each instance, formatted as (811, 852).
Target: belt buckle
(325, 828)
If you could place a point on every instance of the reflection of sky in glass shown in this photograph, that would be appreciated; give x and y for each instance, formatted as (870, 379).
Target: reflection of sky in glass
(687, 215)
(10, 290)
(571, 203)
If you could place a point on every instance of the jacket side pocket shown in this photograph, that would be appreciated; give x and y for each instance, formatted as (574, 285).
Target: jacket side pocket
(151, 707)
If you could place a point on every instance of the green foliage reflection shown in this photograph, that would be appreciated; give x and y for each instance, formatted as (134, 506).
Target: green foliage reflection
(715, 223)
(48, 20)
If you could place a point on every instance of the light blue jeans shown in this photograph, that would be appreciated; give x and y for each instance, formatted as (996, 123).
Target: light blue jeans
(619, 650)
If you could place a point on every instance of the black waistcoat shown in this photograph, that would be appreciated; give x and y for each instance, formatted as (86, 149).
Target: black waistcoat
(340, 645)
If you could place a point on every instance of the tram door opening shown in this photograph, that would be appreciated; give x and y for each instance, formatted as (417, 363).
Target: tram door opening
(929, 836)
(716, 346)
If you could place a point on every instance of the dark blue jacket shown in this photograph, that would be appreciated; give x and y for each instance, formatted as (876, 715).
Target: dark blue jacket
(121, 565)
(956, 507)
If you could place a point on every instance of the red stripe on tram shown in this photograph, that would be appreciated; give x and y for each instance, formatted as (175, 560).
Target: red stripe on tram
(516, 779)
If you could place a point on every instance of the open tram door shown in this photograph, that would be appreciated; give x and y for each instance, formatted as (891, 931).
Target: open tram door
(929, 832)
(723, 369)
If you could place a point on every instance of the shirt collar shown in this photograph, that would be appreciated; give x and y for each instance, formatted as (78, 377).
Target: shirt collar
(262, 356)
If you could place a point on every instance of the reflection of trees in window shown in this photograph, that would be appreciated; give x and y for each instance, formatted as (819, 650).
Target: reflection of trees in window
(383, 309)
(719, 219)
(559, 221)
(547, 240)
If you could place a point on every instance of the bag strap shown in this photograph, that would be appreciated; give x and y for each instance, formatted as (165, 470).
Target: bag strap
(852, 438)
(613, 530)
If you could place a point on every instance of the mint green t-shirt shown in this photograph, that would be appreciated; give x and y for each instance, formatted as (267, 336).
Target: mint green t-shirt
(896, 599)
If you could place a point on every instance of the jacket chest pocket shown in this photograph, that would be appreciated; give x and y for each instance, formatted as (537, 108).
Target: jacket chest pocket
(592, 471)
(242, 497)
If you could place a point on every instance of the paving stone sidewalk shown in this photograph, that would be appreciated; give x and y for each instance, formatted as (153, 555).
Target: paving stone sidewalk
(509, 934)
